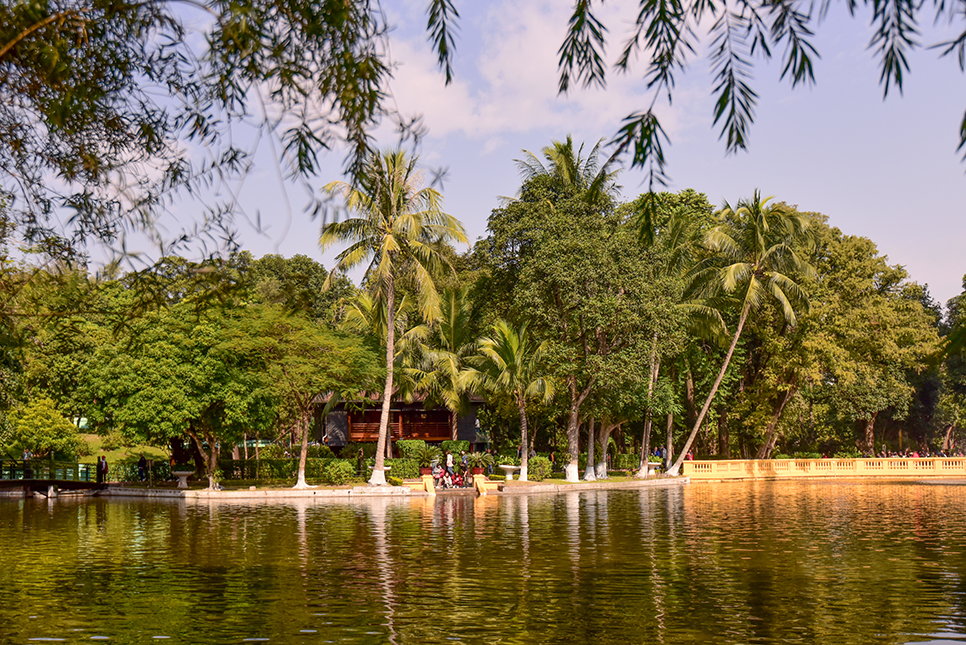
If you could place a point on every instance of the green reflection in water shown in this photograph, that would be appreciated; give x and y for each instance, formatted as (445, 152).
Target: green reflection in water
(766, 562)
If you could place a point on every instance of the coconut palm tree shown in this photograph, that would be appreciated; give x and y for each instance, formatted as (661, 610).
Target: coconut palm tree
(399, 225)
(442, 368)
(754, 256)
(592, 180)
(510, 366)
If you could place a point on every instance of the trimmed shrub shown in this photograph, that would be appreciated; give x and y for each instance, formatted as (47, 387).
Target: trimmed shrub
(455, 446)
(538, 468)
(808, 455)
(338, 471)
(404, 468)
(277, 468)
(780, 455)
(408, 448)
(394, 481)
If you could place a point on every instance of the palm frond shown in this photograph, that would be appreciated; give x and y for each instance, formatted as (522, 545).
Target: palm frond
(442, 28)
(735, 106)
(581, 54)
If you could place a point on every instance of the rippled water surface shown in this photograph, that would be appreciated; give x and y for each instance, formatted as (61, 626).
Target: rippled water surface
(782, 562)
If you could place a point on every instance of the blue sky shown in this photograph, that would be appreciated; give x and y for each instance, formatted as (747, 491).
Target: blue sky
(887, 170)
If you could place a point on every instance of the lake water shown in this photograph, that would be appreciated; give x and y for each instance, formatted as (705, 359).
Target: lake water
(759, 562)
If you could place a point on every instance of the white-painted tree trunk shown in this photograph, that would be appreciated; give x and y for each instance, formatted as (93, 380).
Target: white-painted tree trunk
(524, 445)
(590, 470)
(571, 472)
(304, 448)
(378, 477)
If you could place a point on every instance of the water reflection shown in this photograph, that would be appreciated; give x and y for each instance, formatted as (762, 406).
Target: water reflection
(786, 562)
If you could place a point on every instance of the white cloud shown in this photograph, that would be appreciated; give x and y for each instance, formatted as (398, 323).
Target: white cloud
(510, 83)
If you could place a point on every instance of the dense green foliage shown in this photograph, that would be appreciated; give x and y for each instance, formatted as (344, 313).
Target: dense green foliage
(746, 332)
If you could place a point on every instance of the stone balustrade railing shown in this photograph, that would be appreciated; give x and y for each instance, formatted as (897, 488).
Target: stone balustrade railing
(898, 467)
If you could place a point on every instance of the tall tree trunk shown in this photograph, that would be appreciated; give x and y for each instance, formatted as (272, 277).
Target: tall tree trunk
(210, 456)
(870, 433)
(771, 437)
(524, 451)
(453, 418)
(378, 477)
(305, 414)
(245, 443)
(676, 467)
(652, 381)
(590, 473)
(603, 439)
(948, 443)
(690, 407)
(670, 438)
(724, 441)
(571, 468)
(642, 473)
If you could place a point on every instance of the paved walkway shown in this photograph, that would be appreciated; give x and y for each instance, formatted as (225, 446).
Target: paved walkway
(357, 492)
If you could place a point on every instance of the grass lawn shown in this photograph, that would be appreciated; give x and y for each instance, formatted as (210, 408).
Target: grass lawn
(123, 454)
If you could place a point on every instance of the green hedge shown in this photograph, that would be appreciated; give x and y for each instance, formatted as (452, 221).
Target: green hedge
(409, 448)
(128, 471)
(404, 468)
(455, 446)
(255, 469)
(337, 471)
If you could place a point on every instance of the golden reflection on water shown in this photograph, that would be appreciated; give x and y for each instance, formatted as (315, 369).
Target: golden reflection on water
(738, 562)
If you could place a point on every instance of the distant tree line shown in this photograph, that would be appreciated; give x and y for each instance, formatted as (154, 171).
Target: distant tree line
(743, 331)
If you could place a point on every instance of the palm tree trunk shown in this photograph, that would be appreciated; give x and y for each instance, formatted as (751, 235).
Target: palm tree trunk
(524, 445)
(590, 474)
(676, 467)
(452, 424)
(378, 473)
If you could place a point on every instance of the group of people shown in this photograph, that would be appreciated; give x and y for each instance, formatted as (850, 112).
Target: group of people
(916, 454)
(446, 475)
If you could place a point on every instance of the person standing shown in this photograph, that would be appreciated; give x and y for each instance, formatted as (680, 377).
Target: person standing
(449, 462)
(101, 470)
(142, 468)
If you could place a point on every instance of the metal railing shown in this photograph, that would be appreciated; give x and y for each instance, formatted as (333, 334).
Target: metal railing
(37, 469)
